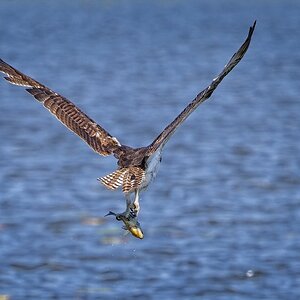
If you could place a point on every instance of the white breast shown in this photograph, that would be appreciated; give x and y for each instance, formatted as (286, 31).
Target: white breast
(152, 168)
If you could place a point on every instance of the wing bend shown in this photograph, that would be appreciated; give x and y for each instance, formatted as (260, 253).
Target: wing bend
(65, 111)
(202, 96)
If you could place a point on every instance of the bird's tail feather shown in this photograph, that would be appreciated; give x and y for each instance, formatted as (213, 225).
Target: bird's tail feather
(114, 180)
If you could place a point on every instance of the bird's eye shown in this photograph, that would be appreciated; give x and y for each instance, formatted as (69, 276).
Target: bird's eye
(118, 218)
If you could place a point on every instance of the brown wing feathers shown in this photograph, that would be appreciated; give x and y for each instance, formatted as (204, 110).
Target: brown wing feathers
(97, 137)
(202, 96)
(65, 111)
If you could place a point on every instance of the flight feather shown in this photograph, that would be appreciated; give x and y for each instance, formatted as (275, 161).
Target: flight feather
(161, 140)
(65, 111)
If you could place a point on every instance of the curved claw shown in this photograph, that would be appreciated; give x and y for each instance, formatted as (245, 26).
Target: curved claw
(132, 214)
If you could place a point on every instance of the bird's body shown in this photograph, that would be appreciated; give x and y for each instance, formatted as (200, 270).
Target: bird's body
(152, 164)
(137, 167)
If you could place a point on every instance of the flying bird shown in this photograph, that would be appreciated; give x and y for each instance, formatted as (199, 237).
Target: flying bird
(136, 166)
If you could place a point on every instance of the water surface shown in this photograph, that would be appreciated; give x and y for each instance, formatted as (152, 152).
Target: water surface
(222, 219)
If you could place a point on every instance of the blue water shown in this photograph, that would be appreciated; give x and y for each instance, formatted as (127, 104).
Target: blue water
(222, 219)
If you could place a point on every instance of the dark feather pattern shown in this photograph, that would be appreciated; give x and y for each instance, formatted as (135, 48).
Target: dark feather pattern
(202, 96)
(134, 172)
(129, 178)
(65, 111)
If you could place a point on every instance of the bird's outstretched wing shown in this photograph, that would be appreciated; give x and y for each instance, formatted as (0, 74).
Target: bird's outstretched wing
(65, 111)
(201, 97)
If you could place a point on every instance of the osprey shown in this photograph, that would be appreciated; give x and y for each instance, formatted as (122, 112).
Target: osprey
(136, 166)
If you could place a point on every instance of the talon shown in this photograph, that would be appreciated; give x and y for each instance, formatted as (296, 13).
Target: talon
(129, 216)
(131, 224)
(132, 214)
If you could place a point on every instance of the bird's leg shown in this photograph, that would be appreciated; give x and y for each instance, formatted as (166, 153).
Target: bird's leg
(128, 210)
(132, 207)
(136, 203)
(129, 216)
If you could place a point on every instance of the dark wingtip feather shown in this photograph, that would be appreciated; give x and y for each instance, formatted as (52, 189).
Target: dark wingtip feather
(251, 29)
